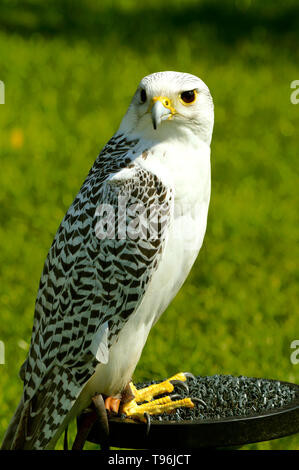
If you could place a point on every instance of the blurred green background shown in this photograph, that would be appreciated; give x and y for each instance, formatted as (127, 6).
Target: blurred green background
(70, 69)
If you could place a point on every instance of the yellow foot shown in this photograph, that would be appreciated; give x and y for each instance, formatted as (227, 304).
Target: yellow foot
(158, 406)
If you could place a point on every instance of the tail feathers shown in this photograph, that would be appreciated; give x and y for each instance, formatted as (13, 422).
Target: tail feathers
(14, 425)
(39, 424)
(49, 408)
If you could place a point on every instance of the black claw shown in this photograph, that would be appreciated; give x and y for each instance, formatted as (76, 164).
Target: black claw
(180, 384)
(188, 375)
(148, 422)
(198, 400)
(175, 396)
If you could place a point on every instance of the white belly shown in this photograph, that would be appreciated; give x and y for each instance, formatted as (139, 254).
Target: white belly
(184, 241)
(185, 238)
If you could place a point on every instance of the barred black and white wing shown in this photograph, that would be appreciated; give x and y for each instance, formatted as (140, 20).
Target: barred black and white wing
(94, 278)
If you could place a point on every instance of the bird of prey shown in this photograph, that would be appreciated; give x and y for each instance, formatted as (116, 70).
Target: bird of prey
(120, 255)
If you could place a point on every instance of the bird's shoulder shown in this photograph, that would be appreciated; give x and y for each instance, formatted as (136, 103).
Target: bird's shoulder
(93, 279)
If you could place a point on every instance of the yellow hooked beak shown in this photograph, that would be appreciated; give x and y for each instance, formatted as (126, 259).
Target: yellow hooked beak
(161, 108)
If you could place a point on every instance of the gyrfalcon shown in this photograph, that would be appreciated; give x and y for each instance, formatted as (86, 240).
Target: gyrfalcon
(120, 255)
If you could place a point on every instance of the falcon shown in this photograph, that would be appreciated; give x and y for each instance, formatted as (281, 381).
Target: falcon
(120, 255)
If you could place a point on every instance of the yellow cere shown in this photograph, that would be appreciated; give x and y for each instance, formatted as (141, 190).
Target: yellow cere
(166, 102)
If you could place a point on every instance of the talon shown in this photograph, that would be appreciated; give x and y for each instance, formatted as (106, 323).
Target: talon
(198, 400)
(180, 384)
(175, 396)
(188, 375)
(157, 406)
(148, 422)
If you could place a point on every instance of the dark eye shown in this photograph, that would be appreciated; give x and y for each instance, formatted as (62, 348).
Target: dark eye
(188, 96)
(143, 95)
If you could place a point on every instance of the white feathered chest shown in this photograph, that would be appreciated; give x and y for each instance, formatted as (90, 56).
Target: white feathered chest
(187, 172)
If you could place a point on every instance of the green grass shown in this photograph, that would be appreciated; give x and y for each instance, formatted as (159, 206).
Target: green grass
(70, 70)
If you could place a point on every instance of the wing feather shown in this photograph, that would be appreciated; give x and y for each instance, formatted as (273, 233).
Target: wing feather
(91, 284)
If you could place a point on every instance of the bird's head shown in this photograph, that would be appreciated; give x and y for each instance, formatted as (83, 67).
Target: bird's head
(170, 103)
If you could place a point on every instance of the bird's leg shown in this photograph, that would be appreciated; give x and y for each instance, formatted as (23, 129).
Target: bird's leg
(101, 412)
(149, 406)
(112, 404)
(89, 418)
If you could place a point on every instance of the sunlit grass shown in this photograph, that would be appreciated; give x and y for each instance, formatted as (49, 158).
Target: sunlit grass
(65, 96)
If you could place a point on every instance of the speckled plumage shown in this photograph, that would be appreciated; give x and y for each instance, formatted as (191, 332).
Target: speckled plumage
(98, 297)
